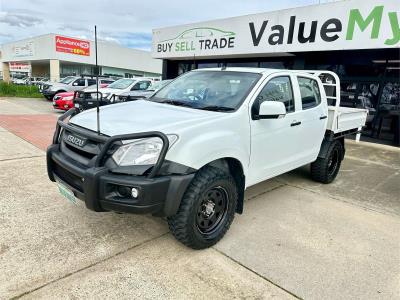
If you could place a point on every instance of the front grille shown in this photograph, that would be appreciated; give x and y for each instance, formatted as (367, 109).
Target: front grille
(80, 152)
(83, 154)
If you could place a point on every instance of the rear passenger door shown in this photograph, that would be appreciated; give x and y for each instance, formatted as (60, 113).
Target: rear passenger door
(313, 115)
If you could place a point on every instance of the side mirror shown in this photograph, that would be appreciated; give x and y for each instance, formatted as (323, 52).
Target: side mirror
(271, 110)
(75, 84)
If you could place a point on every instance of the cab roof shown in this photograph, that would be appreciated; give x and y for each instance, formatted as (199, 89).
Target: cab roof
(264, 71)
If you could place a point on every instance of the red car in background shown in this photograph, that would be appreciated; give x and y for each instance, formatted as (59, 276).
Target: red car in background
(65, 100)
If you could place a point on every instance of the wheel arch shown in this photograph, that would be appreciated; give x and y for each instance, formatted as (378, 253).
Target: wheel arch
(234, 167)
(323, 152)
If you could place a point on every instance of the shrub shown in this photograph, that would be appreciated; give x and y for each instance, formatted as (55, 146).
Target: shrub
(14, 90)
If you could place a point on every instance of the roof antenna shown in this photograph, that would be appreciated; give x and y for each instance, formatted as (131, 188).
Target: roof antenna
(97, 82)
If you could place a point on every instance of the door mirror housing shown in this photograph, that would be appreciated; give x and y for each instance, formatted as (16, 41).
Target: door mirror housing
(271, 110)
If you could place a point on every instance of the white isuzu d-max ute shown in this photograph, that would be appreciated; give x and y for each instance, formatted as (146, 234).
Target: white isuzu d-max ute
(189, 152)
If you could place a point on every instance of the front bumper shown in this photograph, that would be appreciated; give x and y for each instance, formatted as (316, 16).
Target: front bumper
(48, 93)
(62, 104)
(100, 188)
(84, 104)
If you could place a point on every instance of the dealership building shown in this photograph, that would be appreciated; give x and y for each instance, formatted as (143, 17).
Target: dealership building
(55, 56)
(357, 39)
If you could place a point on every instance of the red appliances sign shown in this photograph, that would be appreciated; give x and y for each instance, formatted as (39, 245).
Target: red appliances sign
(72, 46)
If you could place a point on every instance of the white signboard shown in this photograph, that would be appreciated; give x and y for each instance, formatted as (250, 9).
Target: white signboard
(342, 25)
(24, 50)
(20, 67)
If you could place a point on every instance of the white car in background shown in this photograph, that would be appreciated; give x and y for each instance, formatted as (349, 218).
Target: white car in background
(87, 99)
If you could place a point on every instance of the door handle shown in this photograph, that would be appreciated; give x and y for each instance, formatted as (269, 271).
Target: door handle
(322, 117)
(295, 124)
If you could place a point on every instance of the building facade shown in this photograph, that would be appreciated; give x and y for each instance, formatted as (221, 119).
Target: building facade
(55, 56)
(359, 40)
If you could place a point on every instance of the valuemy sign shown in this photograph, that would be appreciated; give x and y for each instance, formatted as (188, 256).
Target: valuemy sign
(72, 46)
(342, 25)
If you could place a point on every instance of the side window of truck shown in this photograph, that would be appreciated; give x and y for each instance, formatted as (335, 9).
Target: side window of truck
(91, 81)
(141, 86)
(79, 82)
(309, 91)
(278, 89)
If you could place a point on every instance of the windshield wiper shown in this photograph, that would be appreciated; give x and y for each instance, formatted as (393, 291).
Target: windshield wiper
(175, 102)
(217, 108)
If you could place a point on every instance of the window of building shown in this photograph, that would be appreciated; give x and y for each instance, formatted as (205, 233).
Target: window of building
(278, 89)
(246, 64)
(310, 93)
(207, 65)
(272, 64)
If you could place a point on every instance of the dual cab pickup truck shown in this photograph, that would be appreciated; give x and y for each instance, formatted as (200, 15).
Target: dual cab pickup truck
(190, 151)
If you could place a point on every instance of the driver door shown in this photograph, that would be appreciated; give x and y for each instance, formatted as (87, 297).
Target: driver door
(275, 142)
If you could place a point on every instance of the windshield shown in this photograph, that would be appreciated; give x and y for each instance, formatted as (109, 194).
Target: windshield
(158, 85)
(67, 80)
(211, 90)
(121, 84)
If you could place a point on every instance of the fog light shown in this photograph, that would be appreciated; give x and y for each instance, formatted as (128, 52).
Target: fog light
(134, 193)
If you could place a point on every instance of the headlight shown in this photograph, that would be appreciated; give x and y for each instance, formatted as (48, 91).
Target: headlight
(141, 152)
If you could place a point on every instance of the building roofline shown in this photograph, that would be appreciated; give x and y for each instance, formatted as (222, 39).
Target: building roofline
(74, 37)
(253, 14)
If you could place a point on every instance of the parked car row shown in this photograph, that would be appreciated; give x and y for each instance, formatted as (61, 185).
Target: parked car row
(122, 90)
(70, 84)
(87, 98)
(30, 80)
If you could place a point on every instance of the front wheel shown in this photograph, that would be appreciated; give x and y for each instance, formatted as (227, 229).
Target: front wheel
(326, 169)
(207, 209)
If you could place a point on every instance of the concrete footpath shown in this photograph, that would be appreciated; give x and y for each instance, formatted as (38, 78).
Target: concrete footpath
(296, 238)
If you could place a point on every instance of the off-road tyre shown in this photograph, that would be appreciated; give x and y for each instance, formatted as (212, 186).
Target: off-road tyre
(325, 169)
(190, 224)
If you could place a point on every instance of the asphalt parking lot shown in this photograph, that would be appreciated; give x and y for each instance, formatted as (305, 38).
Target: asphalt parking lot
(296, 238)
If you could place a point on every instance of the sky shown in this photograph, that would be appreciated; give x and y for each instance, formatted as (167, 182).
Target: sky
(128, 23)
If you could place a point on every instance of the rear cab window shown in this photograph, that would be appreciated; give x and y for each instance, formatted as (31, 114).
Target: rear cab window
(309, 92)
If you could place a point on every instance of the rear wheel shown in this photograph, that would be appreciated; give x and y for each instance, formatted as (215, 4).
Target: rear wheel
(326, 169)
(207, 209)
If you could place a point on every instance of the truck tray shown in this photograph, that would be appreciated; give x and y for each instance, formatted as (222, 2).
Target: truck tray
(344, 118)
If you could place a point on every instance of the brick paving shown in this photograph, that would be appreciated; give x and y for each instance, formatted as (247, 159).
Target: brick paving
(36, 129)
